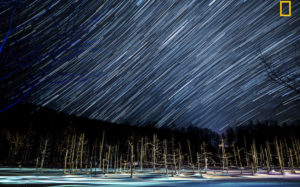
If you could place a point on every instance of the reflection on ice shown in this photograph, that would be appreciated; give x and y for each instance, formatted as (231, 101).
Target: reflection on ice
(55, 177)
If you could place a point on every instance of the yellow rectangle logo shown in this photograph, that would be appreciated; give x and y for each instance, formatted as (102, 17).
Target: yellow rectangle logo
(290, 8)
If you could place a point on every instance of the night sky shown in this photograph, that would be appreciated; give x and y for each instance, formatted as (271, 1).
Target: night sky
(168, 62)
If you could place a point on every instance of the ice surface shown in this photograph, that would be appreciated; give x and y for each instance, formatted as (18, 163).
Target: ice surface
(55, 177)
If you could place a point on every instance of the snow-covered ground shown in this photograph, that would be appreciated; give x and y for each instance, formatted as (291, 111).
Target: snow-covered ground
(55, 177)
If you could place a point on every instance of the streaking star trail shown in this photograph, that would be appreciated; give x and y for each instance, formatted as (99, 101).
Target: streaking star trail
(169, 62)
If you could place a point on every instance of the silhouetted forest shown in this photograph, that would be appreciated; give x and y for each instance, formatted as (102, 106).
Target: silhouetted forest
(39, 137)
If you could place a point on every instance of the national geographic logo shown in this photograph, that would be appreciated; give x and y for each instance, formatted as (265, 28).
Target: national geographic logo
(285, 8)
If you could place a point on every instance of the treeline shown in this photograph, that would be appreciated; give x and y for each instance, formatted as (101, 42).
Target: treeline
(43, 138)
(264, 144)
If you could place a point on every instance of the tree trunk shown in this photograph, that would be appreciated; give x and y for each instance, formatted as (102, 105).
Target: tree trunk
(81, 151)
(292, 162)
(174, 162)
(154, 152)
(267, 161)
(199, 166)
(280, 160)
(44, 154)
(179, 158)
(131, 159)
(142, 153)
(108, 159)
(66, 159)
(165, 156)
(254, 157)
(101, 151)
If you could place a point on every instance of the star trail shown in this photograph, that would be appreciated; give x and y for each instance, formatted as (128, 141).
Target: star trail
(167, 62)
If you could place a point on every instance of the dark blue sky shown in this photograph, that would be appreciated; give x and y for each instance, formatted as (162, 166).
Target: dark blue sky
(166, 62)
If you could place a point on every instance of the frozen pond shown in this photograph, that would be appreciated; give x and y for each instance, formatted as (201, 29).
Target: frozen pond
(54, 177)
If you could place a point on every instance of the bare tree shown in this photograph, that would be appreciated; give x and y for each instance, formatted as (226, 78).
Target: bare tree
(254, 157)
(279, 156)
(16, 142)
(44, 151)
(131, 158)
(101, 150)
(142, 153)
(165, 156)
(283, 68)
